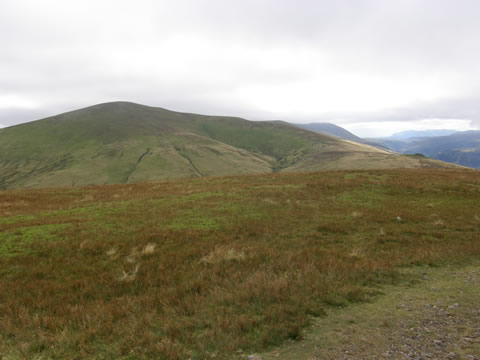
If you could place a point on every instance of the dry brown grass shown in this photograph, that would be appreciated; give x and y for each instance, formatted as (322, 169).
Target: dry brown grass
(129, 275)
(223, 253)
(192, 269)
(149, 249)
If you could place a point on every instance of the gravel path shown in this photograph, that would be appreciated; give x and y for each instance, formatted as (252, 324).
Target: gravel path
(437, 318)
(448, 328)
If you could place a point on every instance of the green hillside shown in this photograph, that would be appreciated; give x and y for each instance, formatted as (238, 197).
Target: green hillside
(123, 142)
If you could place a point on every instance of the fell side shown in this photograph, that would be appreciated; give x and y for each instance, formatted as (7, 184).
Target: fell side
(102, 144)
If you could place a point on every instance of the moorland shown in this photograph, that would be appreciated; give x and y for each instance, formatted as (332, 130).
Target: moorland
(218, 267)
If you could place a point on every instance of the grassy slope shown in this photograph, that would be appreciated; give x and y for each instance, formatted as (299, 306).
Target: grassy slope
(107, 143)
(125, 142)
(205, 267)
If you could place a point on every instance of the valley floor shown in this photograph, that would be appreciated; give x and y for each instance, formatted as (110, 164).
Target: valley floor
(436, 316)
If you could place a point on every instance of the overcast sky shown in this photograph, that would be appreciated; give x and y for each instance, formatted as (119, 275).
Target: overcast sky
(372, 66)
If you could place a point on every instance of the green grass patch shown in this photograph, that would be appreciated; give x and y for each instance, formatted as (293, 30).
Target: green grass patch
(16, 242)
(365, 196)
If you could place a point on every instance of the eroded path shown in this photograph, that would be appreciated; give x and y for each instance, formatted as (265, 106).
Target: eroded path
(437, 317)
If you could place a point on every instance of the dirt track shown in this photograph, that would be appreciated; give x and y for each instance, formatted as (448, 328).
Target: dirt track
(438, 317)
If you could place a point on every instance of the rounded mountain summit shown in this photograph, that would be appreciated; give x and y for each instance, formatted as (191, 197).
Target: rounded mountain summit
(122, 142)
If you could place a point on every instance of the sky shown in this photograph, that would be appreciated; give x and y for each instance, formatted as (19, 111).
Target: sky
(374, 67)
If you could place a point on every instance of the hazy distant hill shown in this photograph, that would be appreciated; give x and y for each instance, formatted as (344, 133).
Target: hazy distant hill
(433, 145)
(409, 134)
(338, 131)
(124, 142)
(461, 148)
(465, 157)
(387, 143)
(331, 129)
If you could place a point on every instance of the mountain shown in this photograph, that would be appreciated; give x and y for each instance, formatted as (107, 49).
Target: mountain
(388, 143)
(338, 131)
(123, 142)
(434, 145)
(409, 134)
(461, 148)
(465, 157)
(331, 129)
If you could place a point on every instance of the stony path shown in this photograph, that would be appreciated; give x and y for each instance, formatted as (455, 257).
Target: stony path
(436, 318)
(440, 329)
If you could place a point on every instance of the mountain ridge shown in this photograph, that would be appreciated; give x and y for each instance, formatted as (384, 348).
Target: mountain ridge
(338, 131)
(121, 142)
(409, 134)
(461, 147)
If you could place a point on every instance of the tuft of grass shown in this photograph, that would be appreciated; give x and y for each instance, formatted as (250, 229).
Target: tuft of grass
(113, 252)
(222, 253)
(149, 249)
(129, 275)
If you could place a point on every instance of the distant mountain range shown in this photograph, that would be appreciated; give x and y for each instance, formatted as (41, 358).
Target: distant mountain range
(124, 142)
(409, 134)
(462, 148)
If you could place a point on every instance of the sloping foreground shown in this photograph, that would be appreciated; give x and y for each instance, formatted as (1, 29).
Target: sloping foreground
(219, 267)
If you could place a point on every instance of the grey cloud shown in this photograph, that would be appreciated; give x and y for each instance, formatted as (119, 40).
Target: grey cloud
(66, 55)
(16, 116)
(462, 108)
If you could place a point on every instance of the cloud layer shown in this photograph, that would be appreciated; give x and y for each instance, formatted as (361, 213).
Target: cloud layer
(346, 61)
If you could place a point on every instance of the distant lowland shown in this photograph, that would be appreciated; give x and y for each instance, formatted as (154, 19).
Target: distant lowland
(122, 142)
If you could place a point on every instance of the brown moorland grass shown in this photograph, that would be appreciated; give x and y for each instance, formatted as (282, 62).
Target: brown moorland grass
(207, 268)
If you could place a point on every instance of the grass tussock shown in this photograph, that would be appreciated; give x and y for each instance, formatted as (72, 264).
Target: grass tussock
(221, 254)
(149, 249)
(129, 275)
(205, 268)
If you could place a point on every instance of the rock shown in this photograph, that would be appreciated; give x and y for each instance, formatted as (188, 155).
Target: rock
(254, 357)
(451, 356)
